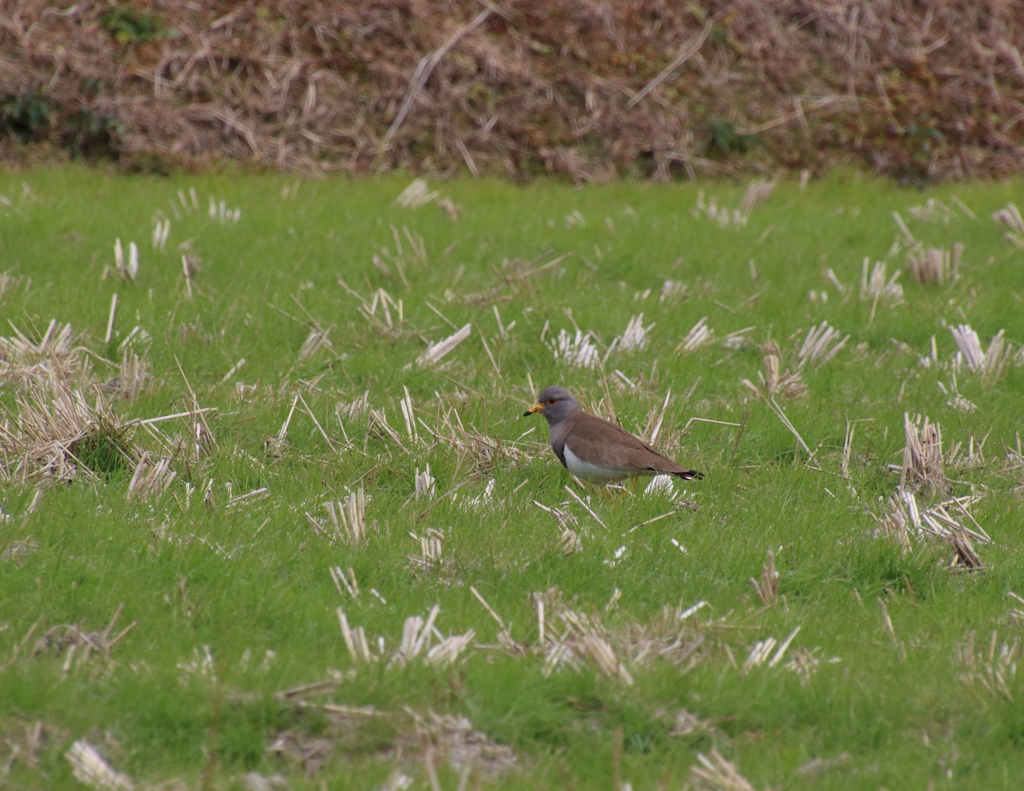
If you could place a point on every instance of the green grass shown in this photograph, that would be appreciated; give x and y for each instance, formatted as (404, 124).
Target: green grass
(891, 711)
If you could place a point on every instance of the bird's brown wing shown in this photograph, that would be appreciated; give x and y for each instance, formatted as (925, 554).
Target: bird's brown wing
(605, 444)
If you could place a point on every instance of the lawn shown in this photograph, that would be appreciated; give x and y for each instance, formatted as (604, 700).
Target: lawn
(257, 531)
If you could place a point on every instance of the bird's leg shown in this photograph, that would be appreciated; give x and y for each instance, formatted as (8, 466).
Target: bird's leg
(623, 490)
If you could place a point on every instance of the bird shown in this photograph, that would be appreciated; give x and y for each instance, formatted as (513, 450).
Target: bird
(596, 450)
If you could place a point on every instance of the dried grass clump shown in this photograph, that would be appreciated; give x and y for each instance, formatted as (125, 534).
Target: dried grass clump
(569, 542)
(347, 520)
(9, 282)
(1009, 216)
(572, 639)
(935, 211)
(907, 524)
(431, 559)
(126, 270)
(417, 194)
(988, 363)
(317, 340)
(967, 456)
(583, 640)
(151, 478)
(700, 334)
(452, 738)
(923, 465)
(878, 288)
(956, 400)
(634, 338)
(77, 646)
(922, 473)
(575, 351)
(389, 263)
(470, 443)
(93, 770)
(131, 380)
(770, 653)
(436, 351)
(757, 192)
(820, 345)
(717, 774)
(774, 382)
(64, 423)
(935, 265)
(25, 363)
(673, 292)
(425, 483)
(722, 216)
(384, 322)
(420, 640)
(994, 670)
(767, 589)
(433, 738)
(483, 501)
(55, 434)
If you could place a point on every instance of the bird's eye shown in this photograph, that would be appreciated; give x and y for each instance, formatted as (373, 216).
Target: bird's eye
(551, 400)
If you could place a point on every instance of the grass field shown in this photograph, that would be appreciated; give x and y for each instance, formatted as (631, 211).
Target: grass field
(625, 636)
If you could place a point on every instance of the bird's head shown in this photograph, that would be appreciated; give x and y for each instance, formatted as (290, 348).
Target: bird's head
(555, 403)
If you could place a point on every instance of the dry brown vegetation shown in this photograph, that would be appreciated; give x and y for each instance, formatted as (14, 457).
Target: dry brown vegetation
(582, 88)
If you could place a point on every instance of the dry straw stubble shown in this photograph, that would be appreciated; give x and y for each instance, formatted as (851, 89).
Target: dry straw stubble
(585, 89)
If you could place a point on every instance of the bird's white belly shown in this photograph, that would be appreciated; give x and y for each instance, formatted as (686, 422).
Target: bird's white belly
(591, 472)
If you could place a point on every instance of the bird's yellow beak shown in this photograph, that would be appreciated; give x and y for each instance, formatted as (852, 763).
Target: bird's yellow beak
(531, 410)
